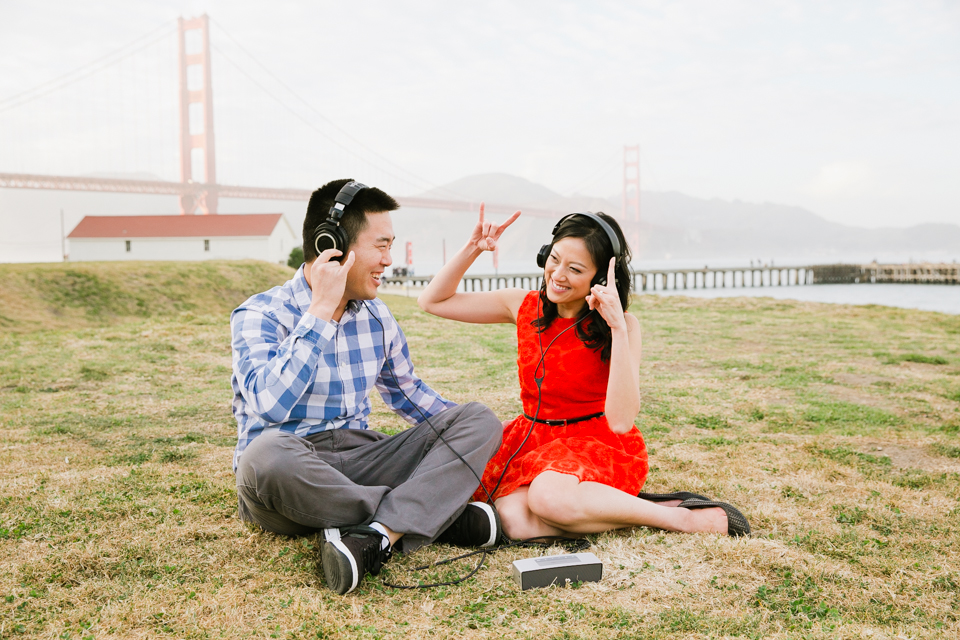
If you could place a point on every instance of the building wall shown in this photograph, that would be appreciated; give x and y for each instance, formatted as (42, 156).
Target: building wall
(282, 241)
(99, 249)
(273, 248)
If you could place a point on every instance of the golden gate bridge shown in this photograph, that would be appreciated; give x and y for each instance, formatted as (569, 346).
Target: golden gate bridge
(198, 189)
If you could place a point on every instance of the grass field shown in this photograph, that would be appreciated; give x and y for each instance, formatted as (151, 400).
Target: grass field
(834, 429)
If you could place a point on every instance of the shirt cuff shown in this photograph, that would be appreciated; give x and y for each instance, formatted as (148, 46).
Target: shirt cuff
(315, 330)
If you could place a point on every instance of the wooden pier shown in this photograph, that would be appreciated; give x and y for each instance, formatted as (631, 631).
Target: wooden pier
(727, 277)
(921, 273)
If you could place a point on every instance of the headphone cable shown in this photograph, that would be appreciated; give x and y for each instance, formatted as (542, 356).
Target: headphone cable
(571, 545)
(579, 543)
(393, 374)
(539, 383)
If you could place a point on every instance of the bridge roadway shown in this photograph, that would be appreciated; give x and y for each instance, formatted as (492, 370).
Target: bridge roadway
(160, 187)
(644, 280)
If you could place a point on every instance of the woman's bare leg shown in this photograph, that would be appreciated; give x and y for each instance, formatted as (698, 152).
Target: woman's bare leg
(519, 523)
(561, 502)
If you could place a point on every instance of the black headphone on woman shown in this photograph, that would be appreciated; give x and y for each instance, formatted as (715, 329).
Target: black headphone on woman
(329, 234)
(544, 252)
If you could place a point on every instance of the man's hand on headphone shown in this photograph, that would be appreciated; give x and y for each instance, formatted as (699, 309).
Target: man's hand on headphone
(486, 234)
(605, 299)
(328, 280)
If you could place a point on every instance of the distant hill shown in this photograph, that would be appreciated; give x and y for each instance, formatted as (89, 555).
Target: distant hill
(694, 226)
(499, 187)
(515, 191)
(676, 226)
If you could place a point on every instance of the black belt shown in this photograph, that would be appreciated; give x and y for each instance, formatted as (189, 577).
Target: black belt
(563, 423)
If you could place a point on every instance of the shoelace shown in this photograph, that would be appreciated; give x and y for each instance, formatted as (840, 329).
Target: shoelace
(373, 556)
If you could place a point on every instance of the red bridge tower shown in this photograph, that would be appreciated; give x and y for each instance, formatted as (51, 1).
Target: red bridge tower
(197, 155)
(631, 196)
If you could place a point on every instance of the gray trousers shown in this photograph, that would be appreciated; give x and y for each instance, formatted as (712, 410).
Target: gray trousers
(410, 482)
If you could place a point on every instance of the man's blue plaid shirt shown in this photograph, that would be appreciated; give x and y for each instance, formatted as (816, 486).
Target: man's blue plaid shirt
(296, 372)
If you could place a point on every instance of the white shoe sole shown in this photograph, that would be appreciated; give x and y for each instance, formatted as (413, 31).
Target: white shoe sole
(333, 537)
(493, 523)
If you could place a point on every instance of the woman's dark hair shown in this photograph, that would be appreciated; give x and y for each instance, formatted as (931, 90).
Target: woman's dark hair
(594, 333)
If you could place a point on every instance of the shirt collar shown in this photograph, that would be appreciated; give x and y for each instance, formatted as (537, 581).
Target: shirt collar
(301, 290)
(304, 296)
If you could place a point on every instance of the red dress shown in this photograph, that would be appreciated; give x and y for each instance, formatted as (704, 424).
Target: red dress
(574, 385)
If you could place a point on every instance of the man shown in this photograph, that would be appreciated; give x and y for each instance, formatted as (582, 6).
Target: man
(305, 357)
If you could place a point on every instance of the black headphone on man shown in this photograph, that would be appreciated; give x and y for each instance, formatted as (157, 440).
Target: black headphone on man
(544, 252)
(329, 234)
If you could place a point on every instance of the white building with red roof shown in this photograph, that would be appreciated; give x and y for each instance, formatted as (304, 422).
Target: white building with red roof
(261, 236)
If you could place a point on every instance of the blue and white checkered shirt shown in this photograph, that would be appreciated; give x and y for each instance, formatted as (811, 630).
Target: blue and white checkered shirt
(296, 372)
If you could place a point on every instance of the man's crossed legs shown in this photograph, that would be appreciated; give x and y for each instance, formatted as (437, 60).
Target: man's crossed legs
(344, 480)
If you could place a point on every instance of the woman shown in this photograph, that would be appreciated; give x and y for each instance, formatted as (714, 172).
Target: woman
(574, 462)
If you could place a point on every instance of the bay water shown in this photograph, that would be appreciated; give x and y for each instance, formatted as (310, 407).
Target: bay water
(928, 297)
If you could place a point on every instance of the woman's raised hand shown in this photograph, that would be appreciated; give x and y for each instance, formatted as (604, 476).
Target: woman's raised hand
(486, 234)
(605, 299)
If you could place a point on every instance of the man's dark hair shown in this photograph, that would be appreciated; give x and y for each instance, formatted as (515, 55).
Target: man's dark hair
(354, 219)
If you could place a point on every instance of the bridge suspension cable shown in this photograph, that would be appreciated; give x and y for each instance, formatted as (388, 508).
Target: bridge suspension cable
(297, 115)
(96, 120)
(612, 163)
(89, 69)
(423, 182)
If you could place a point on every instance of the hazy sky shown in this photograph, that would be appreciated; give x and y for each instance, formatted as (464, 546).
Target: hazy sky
(850, 109)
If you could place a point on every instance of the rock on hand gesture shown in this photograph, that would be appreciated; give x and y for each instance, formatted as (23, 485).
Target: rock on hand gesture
(486, 234)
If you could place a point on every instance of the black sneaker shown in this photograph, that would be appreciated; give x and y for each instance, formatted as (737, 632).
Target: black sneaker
(478, 526)
(349, 554)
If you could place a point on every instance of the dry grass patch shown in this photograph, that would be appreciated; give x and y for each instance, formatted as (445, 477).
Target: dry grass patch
(117, 502)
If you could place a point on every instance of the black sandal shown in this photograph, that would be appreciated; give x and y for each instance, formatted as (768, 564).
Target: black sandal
(737, 524)
(666, 497)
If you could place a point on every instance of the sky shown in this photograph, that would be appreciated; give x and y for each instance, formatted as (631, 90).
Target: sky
(850, 109)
